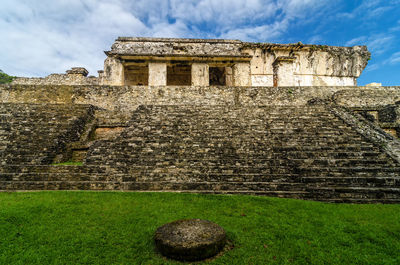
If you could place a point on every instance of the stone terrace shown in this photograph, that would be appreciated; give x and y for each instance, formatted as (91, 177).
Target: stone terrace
(36, 133)
(306, 152)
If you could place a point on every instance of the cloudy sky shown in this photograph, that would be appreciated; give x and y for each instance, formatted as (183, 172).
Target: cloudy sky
(39, 37)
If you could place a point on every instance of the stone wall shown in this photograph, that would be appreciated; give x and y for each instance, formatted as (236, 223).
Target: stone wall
(368, 96)
(75, 76)
(173, 46)
(306, 65)
(386, 117)
(269, 64)
(308, 152)
(36, 133)
(127, 98)
(160, 61)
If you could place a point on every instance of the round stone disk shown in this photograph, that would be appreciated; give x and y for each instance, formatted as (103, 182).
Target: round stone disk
(190, 239)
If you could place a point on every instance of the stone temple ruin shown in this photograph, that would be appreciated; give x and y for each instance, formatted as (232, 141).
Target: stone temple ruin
(207, 116)
(197, 62)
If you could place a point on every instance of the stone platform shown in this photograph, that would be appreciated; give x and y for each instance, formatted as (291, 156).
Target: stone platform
(319, 152)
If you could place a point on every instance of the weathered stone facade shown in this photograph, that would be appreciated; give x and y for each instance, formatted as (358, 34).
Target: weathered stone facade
(200, 62)
(215, 116)
(309, 152)
(293, 142)
(243, 63)
(128, 98)
(74, 76)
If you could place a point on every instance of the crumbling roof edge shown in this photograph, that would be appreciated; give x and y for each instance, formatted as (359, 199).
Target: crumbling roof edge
(114, 53)
(176, 40)
(296, 46)
(253, 44)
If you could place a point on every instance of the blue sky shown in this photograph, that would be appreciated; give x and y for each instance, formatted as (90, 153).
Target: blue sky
(40, 37)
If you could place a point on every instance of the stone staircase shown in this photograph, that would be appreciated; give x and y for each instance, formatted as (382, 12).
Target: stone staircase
(50, 177)
(299, 152)
(302, 152)
(35, 133)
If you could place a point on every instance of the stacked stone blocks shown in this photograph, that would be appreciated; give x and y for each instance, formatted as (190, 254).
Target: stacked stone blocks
(306, 152)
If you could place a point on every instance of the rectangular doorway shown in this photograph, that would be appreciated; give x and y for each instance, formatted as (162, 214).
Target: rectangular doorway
(217, 76)
(179, 74)
(136, 75)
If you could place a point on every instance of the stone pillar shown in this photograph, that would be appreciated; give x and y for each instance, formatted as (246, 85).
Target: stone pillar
(200, 74)
(228, 76)
(157, 74)
(283, 68)
(241, 74)
(113, 72)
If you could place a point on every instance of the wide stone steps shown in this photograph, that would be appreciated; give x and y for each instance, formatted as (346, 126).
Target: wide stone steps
(344, 192)
(45, 177)
(35, 133)
(292, 190)
(59, 185)
(354, 181)
(314, 171)
(286, 151)
(17, 168)
(237, 159)
(51, 177)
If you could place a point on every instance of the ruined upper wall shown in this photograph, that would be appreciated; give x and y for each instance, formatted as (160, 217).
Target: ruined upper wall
(313, 59)
(357, 55)
(128, 98)
(74, 76)
(242, 63)
(175, 47)
(270, 64)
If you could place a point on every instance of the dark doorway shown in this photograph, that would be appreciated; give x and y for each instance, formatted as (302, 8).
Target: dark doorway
(137, 75)
(179, 75)
(217, 76)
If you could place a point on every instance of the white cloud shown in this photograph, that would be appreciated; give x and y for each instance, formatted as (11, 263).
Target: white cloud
(377, 44)
(224, 14)
(380, 43)
(40, 37)
(396, 27)
(394, 58)
(52, 36)
(175, 30)
(372, 67)
(265, 32)
(370, 9)
(356, 41)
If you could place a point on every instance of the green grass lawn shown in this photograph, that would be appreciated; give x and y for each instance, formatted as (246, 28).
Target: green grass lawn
(117, 228)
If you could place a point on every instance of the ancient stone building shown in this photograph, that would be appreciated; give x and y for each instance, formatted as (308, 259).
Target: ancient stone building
(207, 116)
(197, 62)
(201, 62)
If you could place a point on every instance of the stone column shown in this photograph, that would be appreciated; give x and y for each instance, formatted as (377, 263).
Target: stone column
(228, 76)
(200, 74)
(241, 74)
(157, 74)
(113, 72)
(283, 68)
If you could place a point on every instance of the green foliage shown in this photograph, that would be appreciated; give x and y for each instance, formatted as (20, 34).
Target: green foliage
(118, 228)
(313, 48)
(5, 78)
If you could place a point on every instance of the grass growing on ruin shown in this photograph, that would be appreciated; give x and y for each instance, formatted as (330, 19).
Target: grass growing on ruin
(5, 78)
(117, 228)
